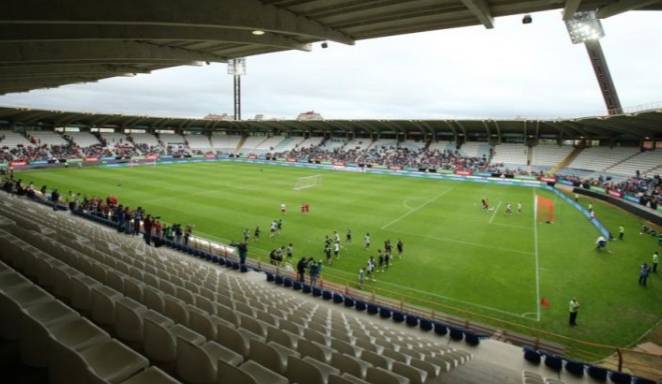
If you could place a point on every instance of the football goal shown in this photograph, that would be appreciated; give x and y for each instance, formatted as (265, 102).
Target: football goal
(545, 212)
(308, 182)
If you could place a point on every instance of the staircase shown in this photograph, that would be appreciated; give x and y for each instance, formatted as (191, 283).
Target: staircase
(566, 161)
(240, 144)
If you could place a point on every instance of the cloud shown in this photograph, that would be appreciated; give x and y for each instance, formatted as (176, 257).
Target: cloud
(512, 70)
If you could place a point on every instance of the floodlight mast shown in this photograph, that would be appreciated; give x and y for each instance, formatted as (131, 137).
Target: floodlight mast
(584, 27)
(237, 68)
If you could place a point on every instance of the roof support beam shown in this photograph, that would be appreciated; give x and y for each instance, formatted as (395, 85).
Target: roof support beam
(623, 6)
(66, 70)
(246, 15)
(87, 32)
(571, 6)
(81, 52)
(481, 10)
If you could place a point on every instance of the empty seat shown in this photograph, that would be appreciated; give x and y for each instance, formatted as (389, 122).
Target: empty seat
(81, 287)
(34, 339)
(153, 299)
(198, 363)
(129, 320)
(283, 338)
(12, 301)
(176, 309)
(315, 350)
(381, 376)
(415, 375)
(151, 375)
(201, 322)
(346, 378)
(377, 360)
(350, 364)
(103, 305)
(108, 362)
(259, 373)
(272, 356)
(300, 371)
(232, 338)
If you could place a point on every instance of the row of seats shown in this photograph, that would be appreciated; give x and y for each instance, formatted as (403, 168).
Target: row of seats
(201, 302)
(54, 335)
(576, 369)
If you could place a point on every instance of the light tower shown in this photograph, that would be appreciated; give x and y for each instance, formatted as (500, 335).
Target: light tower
(584, 27)
(237, 68)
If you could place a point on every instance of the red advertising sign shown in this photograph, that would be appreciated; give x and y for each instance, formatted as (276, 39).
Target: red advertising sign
(463, 172)
(91, 159)
(13, 164)
(252, 157)
(339, 164)
(395, 168)
(615, 193)
(546, 179)
(210, 156)
(292, 160)
(152, 157)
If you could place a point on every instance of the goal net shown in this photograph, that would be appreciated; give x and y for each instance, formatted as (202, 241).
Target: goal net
(545, 210)
(308, 182)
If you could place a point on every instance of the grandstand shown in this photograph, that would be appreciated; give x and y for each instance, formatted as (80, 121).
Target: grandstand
(94, 289)
(510, 155)
(82, 139)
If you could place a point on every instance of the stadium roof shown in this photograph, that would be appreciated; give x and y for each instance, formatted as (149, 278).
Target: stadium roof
(51, 43)
(635, 126)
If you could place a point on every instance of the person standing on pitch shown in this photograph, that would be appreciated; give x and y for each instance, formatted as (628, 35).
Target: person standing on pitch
(643, 274)
(621, 232)
(656, 259)
(574, 310)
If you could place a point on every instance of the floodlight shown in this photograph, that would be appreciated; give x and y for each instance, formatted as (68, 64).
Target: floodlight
(237, 67)
(258, 32)
(584, 26)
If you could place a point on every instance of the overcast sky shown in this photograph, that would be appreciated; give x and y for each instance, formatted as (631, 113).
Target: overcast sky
(513, 70)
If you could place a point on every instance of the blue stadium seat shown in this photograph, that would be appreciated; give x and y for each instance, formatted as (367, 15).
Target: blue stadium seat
(349, 302)
(360, 305)
(597, 373)
(471, 338)
(425, 325)
(620, 377)
(440, 329)
(287, 282)
(327, 295)
(337, 298)
(279, 280)
(221, 262)
(270, 277)
(306, 289)
(456, 334)
(531, 355)
(574, 367)
(372, 309)
(243, 269)
(317, 292)
(385, 313)
(412, 321)
(296, 285)
(398, 317)
(235, 265)
(553, 362)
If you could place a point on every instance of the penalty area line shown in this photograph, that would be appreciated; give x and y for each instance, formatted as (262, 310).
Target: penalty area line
(415, 209)
(495, 212)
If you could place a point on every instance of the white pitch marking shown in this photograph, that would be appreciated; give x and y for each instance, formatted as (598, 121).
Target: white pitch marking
(415, 209)
(535, 251)
(495, 212)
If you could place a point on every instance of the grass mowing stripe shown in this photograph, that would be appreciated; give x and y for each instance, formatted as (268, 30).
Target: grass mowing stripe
(495, 212)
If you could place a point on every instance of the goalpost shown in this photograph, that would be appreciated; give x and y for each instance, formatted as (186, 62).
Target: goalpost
(545, 212)
(307, 182)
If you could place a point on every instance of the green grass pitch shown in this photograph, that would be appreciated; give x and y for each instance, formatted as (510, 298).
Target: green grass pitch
(455, 255)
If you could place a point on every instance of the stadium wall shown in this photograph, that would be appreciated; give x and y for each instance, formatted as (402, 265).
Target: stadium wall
(634, 208)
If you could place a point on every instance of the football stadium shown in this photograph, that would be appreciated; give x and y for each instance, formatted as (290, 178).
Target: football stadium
(155, 249)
